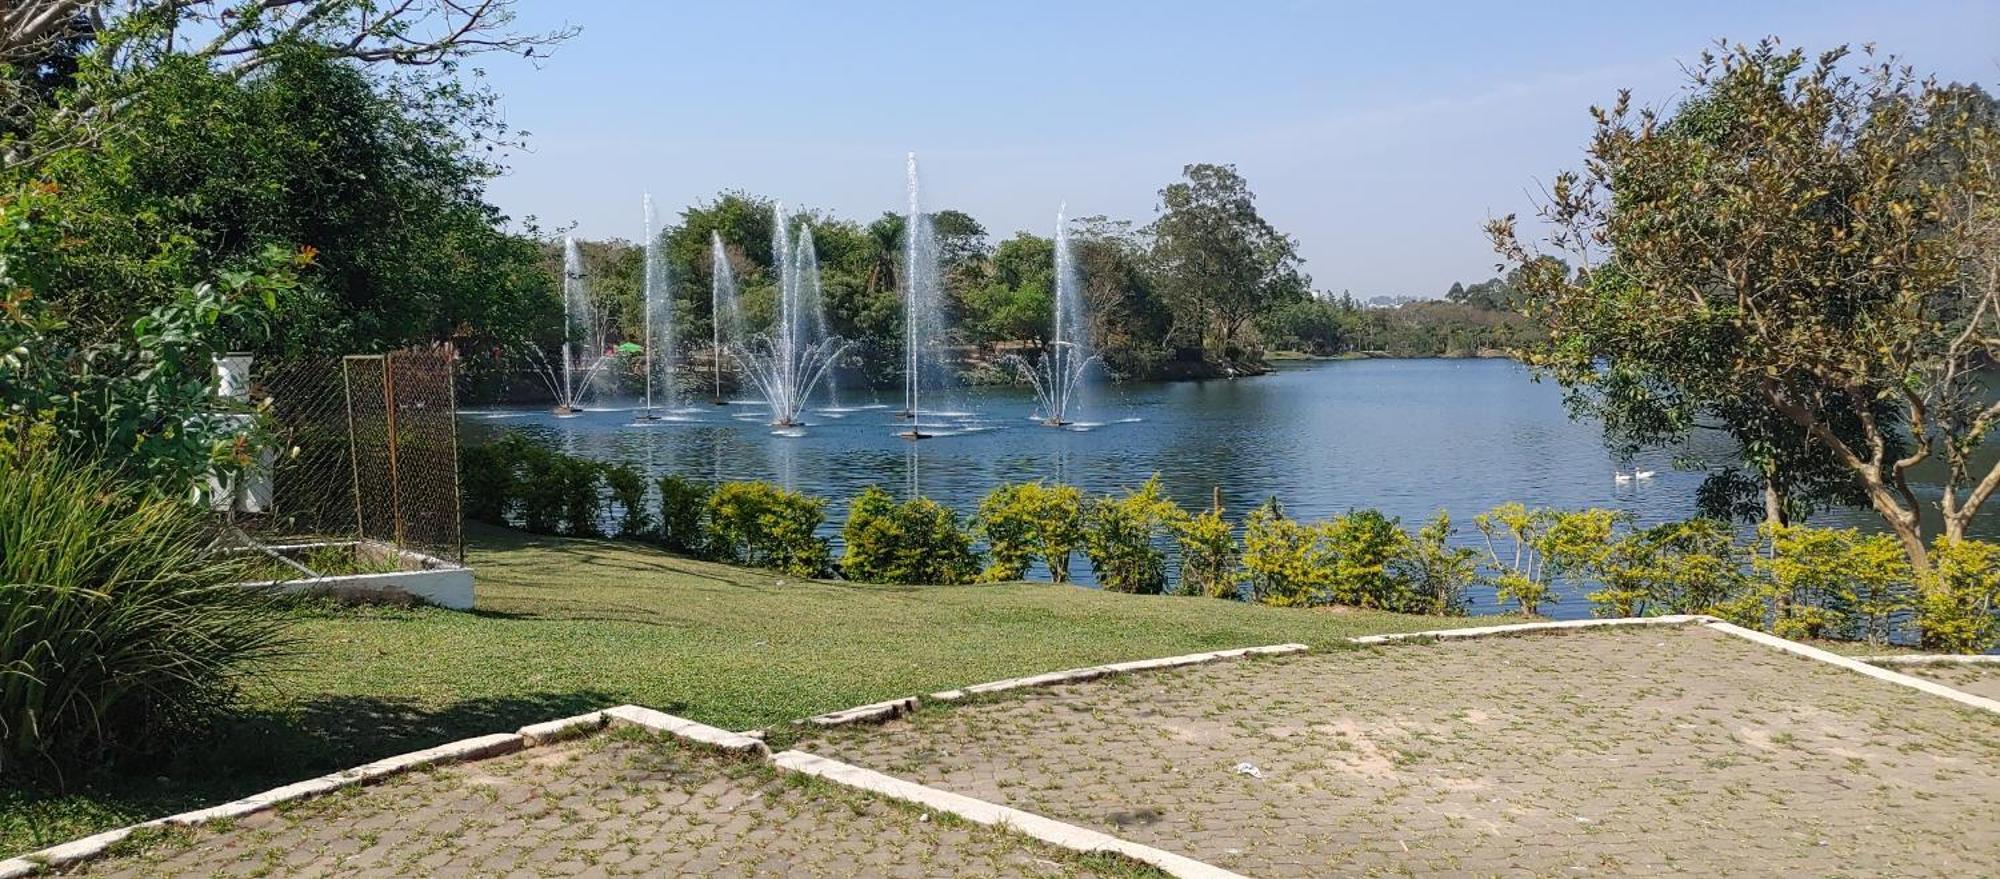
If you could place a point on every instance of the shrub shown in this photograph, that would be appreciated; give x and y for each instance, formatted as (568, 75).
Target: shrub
(1027, 521)
(1121, 536)
(1826, 582)
(1957, 605)
(683, 506)
(628, 491)
(1288, 563)
(1208, 555)
(489, 479)
(1436, 573)
(760, 524)
(1365, 545)
(916, 541)
(1528, 549)
(541, 495)
(120, 629)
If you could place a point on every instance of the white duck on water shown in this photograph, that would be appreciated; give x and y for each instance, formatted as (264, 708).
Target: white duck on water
(1628, 477)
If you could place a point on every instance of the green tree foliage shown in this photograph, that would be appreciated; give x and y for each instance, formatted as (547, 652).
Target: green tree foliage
(1802, 254)
(208, 170)
(760, 524)
(140, 401)
(1692, 566)
(1219, 263)
(1122, 538)
(917, 541)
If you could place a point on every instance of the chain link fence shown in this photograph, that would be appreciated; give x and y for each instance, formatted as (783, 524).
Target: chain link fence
(365, 449)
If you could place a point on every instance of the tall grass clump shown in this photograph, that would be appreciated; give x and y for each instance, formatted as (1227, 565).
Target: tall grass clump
(119, 626)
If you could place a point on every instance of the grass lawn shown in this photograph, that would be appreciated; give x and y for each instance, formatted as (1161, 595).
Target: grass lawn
(566, 626)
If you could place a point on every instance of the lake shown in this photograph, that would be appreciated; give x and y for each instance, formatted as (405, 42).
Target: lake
(1405, 436)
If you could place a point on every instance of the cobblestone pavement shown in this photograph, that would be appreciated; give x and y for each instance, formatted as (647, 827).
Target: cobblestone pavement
(1979, 680)
(1635, 752)
(612, 805)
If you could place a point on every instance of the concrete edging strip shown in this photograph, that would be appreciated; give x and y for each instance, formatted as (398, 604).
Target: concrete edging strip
(872, 712)
(89, 847)
(1933, 659)
(681, 727)
(1524, 628)
(1855, 665)
(568, 727)
(1090, 673)
(1048, 830)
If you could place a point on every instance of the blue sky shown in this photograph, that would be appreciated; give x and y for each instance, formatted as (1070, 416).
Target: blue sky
(1380, 135)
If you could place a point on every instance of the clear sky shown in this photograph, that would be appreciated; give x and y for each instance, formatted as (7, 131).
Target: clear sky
(1380, 135)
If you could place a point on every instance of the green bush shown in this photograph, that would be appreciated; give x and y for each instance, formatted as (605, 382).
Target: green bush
(1287, 562)
(1957, 606)
(1434, 572)
(1122, 537)
(1208, 555)
(1831, 583)
(118, 628)
(1026, 521)
(490, 478)
(628, 491)
(1365, 546)
(760, 524)
(1693, 566)
(1529, 549)
(918, 541)
(683, 509)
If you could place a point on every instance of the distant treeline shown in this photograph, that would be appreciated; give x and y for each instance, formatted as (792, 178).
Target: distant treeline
(1470, 321)
(1207, 288)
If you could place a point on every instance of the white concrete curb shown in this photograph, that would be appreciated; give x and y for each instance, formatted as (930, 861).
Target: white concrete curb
(680, 727)
(1094, 672)
(1048, 830)
(1882, 674)
(563, 728)
(1523, 628)
(870, 713)
(93, 846)
(1933, 659)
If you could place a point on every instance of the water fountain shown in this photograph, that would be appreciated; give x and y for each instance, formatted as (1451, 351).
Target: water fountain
(658, 302)
(582, 365)
(725, 321)
(921, 306)
(791, 360)
(1057, 376)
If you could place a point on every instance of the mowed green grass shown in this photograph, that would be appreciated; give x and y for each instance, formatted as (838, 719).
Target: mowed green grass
(566, 626)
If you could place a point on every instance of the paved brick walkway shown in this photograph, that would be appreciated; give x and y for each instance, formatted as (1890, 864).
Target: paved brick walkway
(1637, 752)
(613, 805)
(1979, 680)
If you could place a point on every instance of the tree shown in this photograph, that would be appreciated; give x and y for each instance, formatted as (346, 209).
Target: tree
(1798, 241)
(128, 40)
(1219, 263)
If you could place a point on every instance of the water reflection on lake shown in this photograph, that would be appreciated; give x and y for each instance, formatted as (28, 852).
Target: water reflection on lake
(1406, 436)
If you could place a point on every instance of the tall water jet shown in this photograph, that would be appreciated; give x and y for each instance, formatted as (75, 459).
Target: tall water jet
(921, 304)
(791, 360)
(726, 321)
(658, 302)
(1057, 376)
(581, 363)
